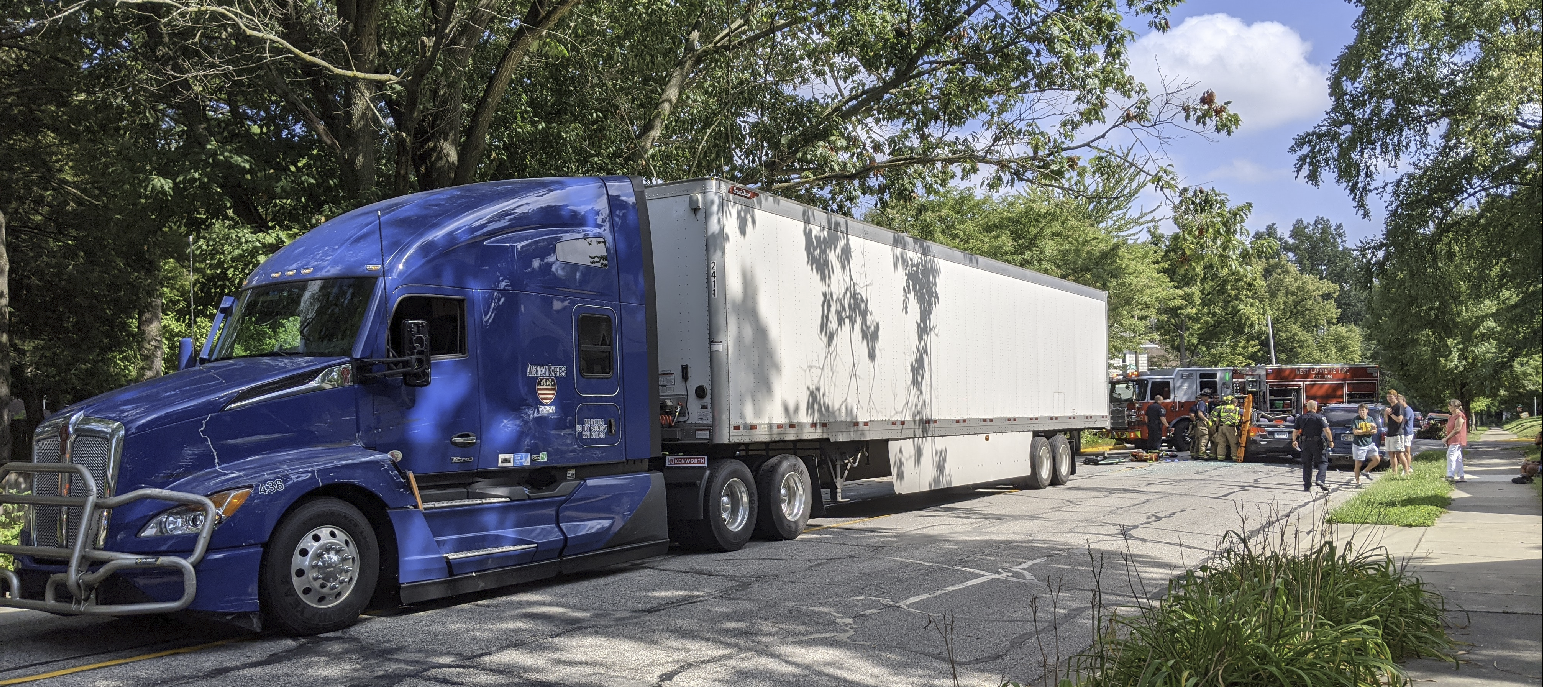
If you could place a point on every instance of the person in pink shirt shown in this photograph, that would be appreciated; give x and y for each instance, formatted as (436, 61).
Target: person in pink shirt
(1456, 439)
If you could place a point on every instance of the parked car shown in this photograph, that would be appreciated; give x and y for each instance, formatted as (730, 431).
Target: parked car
(1271, 440)
(1433, 426)
(1342, 417)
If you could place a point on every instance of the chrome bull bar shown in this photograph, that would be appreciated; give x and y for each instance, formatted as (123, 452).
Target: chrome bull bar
(81, 579)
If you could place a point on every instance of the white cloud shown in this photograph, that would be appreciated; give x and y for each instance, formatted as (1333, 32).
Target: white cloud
(1262, 68)
(1246, 171)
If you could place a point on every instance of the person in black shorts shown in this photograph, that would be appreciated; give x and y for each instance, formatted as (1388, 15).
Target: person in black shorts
(1313, 438)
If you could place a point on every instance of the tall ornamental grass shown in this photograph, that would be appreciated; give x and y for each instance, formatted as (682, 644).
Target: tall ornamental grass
(1271, 615)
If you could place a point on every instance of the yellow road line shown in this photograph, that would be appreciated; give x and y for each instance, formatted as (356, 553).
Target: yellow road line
(816, 529)
(115, 662)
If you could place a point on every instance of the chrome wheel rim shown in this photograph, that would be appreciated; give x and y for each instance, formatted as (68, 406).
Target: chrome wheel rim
(734, 505)
(323, 567)
(1044, 463)
(1064, 457)
(793, 495)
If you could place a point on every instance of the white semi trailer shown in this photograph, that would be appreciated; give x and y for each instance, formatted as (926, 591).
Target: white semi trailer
(784, 330)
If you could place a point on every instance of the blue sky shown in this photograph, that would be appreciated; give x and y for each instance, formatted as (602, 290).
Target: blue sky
(1270, 57)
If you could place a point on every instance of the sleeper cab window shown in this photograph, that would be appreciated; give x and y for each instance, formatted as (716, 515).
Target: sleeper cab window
(447, 324)
(596, 346)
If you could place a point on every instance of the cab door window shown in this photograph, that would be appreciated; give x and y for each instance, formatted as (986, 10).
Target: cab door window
(447, 324)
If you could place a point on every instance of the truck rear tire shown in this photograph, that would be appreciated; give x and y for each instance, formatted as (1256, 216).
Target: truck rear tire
(1062, 450)
(784, 494)
(728, 510)
(1041, 466)
(319, 568)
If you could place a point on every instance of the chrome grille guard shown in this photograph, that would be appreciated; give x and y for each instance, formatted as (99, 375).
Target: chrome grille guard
(81, 580)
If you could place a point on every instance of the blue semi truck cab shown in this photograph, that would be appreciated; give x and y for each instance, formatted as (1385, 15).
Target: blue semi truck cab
(434, 394)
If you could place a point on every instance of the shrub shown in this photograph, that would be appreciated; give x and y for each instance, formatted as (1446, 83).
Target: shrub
(1267, 615)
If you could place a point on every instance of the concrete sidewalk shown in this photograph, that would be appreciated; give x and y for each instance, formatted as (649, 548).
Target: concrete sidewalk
(1485, 557)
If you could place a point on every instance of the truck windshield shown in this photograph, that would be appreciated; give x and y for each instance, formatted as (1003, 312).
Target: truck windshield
(319, 317)
(1125, 392)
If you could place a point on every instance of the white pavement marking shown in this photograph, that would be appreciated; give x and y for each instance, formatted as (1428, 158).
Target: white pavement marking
(1005, 574)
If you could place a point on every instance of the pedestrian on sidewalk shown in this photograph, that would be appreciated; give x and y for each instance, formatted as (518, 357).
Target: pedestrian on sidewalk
(1363, 452)
(1456, 439)
(1400, 422)
(1312, 437)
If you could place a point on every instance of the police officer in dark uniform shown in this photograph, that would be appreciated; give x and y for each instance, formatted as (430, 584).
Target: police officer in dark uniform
(1313, 438)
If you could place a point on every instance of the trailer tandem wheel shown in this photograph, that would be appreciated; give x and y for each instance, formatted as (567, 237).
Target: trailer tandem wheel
(1062, 470)
(728, 510)
(1041, 466)
(785, 495)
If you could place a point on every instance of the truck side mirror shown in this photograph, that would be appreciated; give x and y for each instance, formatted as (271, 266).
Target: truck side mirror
(415, 339)
(185, 353)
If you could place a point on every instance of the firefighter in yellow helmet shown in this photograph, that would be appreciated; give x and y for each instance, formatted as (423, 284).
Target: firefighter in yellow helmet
(1228, 418)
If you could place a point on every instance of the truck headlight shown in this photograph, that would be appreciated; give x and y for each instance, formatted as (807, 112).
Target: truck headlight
(190, 519)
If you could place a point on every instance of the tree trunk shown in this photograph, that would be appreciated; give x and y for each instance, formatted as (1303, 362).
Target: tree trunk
(540, 17)
(152, 350)
(359, 136)
(5, 347)
(667, 99)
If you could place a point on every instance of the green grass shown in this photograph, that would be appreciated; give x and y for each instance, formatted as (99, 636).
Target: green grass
(10, 530)
(1271, 615)
(10, 524)
(1414, 501)
(1526, 428)
(1095, 440)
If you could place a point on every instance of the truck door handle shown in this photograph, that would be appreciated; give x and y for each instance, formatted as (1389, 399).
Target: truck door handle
(610, 426)
(464, 440)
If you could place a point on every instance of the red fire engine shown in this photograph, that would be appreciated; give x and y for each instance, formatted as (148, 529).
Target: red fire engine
(1130, 395)
(1276, 391)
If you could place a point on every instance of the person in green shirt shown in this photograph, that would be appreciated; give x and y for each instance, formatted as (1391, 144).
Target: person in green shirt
(1363, 450)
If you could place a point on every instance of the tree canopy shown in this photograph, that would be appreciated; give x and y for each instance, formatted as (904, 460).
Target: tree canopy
(1436, 110)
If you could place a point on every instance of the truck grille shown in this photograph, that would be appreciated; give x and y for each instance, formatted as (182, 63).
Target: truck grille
(97, 445)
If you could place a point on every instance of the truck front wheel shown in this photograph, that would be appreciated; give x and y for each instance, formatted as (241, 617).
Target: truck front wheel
(785, 495)
(319, 568)
(728, 510)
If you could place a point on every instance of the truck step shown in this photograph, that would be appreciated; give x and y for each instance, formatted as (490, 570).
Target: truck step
(457, 503)
(488, 552)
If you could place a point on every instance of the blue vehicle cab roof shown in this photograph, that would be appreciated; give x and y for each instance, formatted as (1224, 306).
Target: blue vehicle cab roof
(398, 238)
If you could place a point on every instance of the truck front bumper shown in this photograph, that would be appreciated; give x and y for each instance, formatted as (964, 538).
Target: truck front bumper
(86, 568)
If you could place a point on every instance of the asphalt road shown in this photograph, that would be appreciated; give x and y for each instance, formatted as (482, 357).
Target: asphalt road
(891, 590)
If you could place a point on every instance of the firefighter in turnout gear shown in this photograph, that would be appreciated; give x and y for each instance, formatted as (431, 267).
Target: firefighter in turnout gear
(1200, 427)
(1228, 417)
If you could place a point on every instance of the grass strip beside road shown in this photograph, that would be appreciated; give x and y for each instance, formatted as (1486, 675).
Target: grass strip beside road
(1525, 428)
(1413, 501)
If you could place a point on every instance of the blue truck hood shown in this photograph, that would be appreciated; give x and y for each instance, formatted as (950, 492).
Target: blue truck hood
(192, 393)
